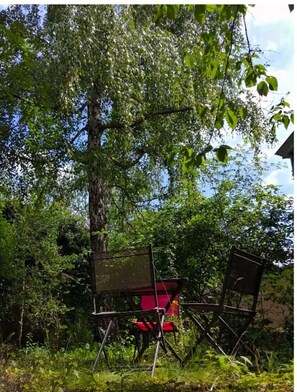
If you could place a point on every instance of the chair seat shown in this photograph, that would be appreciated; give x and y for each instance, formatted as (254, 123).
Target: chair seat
(168, 326)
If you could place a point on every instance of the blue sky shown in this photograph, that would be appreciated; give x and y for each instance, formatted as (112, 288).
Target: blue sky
(271, 26)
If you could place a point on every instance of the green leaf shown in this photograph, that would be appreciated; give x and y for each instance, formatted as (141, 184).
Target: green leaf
(285, 120)
(159, 14)
(190, 61)
(273, 129)
(187, 164)
(172, 162)
(222, 154)
(211, 71)
(199, 13)
(210, 7)
(292, 118)
(231, 118)
(219, 123)
(284, 103)
(250, 79)
(238, 65)
(198, 160)
(214, 71)
(222, 103)
(207, 149)
(226, 147)
(202, 110)
(272, 82)
(260, 69)
(171, 159)
(243, 112)
(262, 88)
(243, 8)
(277, 117)
(203, 153)
(188, 152)
(172, 11)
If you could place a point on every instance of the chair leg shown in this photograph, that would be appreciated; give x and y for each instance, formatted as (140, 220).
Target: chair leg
(239, 335)
(159, 338)
(173, 351)
(155, 358)
(102, 346)
(146, 337)
(204, 333)
(137, 346)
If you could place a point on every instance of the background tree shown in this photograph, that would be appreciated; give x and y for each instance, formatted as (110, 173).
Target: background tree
(194, 231)
(44, 272)
(40, 271)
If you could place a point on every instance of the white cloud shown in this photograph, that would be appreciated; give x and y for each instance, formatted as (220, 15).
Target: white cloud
(269, 14)
(267, 152)
(282, 178)
(272, 178)
(285, 86)
(271, 45)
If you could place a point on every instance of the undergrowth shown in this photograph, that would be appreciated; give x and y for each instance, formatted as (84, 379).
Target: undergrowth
(37, 369)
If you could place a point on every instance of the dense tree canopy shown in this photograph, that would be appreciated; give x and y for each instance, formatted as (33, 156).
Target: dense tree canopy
(116, 97)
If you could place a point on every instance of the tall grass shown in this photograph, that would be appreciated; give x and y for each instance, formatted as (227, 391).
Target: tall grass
(37, 369)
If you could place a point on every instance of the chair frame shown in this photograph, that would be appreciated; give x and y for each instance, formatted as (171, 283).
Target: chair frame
(155, 315)
(199, 311)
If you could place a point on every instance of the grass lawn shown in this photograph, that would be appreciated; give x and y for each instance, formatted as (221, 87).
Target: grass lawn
(36, 369)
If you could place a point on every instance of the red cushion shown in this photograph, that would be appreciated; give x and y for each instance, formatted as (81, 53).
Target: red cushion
(168, 326)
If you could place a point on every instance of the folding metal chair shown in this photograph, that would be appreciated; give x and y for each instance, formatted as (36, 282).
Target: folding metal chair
(115, 275)
(168, 292)
(223, 324)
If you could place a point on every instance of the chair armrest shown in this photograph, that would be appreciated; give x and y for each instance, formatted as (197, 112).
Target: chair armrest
(202, 307)
(128, 313)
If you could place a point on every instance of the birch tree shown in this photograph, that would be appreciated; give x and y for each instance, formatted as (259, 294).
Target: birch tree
(125, 98)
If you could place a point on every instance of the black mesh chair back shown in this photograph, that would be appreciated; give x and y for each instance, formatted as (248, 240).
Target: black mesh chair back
(123, 271)
(242, 279)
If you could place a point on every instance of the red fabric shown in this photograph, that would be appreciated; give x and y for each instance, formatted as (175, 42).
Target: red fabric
(168, 326)
(148, 302)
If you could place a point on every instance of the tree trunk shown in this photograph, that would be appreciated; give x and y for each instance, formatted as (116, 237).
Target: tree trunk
(98, 189)
(21, 320)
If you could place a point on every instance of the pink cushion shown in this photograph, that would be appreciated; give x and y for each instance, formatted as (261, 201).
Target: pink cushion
(168, 326)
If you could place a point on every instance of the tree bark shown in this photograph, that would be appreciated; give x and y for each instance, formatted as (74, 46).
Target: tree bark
(98, 189)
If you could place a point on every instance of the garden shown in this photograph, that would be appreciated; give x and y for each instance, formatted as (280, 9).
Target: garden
(116, 125)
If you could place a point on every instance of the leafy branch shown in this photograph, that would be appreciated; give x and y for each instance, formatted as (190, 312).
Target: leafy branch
(148, 116)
